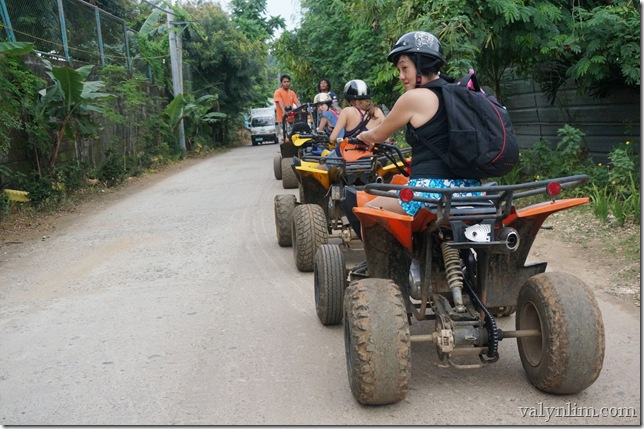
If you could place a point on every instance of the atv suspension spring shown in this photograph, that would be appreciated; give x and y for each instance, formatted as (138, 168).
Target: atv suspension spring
(490, 325)
(452, 261)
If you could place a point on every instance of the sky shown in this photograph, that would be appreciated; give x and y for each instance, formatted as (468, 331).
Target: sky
(287, 9)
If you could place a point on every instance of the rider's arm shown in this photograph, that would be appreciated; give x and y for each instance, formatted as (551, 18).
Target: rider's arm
(323, 122)
(340, 125)
(399, 116)
(412, 106)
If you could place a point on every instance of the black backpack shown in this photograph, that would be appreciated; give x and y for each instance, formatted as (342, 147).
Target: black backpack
(482, 142)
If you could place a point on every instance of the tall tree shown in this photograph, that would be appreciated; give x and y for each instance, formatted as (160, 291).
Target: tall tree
(595, 42)
(331, 43)
(224, 61)
(248, 16)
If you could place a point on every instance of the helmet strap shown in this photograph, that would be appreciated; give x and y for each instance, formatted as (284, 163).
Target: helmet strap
(419, 73)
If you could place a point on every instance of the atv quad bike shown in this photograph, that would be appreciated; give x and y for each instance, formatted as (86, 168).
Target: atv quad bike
(294, 122)
(456, 264)
(320, 215)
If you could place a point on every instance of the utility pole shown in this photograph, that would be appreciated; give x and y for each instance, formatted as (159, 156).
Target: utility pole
(177, 72)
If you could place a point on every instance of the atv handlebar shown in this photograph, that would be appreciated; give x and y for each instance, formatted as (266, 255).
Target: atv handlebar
(387, 150)
(307, 108)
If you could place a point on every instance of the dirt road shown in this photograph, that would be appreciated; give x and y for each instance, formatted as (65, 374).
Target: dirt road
(171, 303)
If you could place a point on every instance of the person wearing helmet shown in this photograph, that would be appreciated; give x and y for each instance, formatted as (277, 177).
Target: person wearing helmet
(418, 56)
(361, 115)
(328, 117)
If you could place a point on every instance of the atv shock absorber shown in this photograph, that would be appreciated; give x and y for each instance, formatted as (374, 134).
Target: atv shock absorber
(454, 275)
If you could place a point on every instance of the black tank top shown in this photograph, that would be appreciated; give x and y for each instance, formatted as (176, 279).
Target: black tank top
(425, 163)
(362, 126)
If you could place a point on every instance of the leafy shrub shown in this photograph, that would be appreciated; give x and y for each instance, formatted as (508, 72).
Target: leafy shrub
(113, 171)
(613, 189)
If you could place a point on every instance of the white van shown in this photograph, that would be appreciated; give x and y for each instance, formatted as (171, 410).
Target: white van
(262, 125)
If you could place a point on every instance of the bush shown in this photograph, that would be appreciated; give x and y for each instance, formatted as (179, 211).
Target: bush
(113, 170)
(614, 188)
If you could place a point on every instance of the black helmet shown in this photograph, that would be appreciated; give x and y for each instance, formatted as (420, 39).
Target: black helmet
(417, 42)
(356, 89)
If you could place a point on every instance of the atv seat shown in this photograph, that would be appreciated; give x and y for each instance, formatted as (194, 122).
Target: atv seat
(402, 226)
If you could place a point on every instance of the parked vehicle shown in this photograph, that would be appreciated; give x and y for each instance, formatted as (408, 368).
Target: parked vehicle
(263, 125)
(458, 264)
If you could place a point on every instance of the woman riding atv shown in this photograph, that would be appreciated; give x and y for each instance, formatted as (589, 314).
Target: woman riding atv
(328, 117)
(362, 114)
(418, 57)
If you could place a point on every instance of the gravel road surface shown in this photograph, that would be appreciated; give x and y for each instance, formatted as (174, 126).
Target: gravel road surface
(175, 305)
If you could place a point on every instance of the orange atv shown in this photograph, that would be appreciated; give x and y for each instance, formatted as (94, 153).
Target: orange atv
(458, 264)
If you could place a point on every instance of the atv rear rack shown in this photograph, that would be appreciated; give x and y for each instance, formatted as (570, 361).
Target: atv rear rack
(496, 202)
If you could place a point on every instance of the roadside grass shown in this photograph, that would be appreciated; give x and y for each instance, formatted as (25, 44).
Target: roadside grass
(606, 243)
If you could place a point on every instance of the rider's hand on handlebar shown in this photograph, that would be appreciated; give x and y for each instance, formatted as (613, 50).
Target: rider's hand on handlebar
(356, 141)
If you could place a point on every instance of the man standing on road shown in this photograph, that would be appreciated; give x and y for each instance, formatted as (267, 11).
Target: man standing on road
(283, 97)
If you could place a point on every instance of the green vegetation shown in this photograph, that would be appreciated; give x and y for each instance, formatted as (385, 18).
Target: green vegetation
(58, 117)
(594, 43)
(614, 189)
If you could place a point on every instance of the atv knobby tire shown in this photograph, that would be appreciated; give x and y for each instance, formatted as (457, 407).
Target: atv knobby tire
(309, 231)
(377, 341)
(277, 167)
(569, 354)
(289, 179)
(329, 278)
(284, 207)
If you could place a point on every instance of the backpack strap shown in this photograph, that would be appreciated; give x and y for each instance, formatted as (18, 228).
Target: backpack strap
(470, 80)
(436, 83)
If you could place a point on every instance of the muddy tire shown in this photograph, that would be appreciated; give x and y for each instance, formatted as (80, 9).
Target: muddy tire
(503, 311)
(308, 233)
(301, 191)
(289, 179)
(284, 207)
(277, 167)
(569, 354)
(377, 341)
(329, 278)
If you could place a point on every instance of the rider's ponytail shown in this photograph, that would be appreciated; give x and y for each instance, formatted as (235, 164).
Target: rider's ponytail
(368, 106)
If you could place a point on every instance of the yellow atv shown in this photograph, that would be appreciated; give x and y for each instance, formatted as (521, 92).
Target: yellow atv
(294, 122)
(320, 214)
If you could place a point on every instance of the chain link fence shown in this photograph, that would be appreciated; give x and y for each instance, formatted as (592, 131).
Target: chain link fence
(70, 30)
(76, 33)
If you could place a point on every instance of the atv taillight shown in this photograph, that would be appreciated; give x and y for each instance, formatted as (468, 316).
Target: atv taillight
(553, 189)
(406, 195)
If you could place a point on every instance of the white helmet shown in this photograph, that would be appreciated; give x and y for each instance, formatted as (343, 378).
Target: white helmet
(356, 89)
(322, 97)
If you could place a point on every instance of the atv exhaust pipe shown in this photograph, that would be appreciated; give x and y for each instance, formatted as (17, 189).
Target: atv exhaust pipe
(510, 237)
